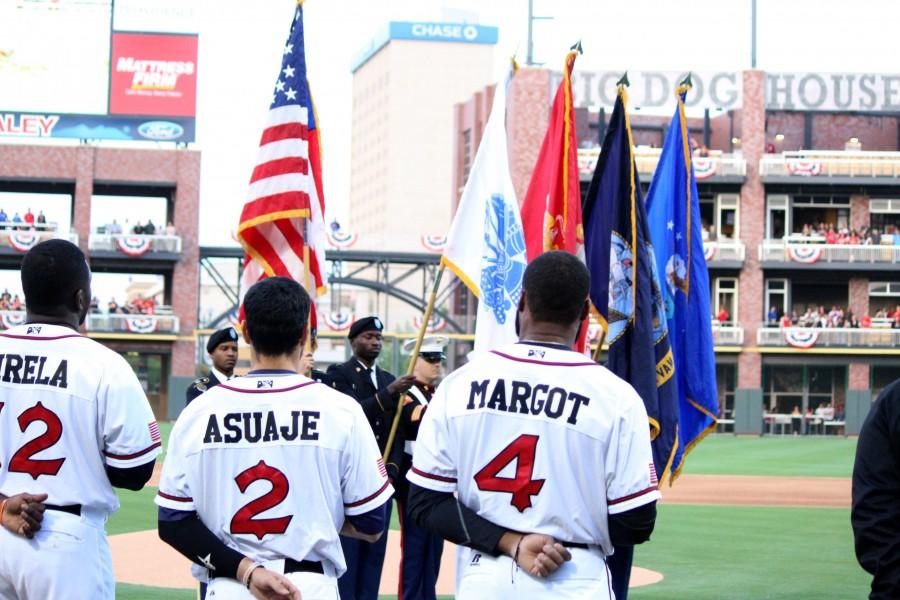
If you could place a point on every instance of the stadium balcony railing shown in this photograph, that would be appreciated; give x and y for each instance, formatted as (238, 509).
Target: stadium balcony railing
(727, 335)
(22, 240)
(818, 337)
(133, 323)
(724, 251)
(807, 250)
(132, 244)
(716, 163)
(835, 163)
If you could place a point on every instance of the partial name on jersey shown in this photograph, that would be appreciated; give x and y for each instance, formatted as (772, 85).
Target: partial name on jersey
(34, 370)
(253, 427)
(523, 398)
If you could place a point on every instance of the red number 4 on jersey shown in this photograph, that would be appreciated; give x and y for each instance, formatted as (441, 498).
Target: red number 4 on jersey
(522, 486)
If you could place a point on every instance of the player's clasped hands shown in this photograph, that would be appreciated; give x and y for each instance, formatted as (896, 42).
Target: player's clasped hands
(269, 585)
(22, 514)
(540, 555)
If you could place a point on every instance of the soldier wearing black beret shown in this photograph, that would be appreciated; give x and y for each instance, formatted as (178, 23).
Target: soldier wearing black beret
(378, 392)
(222, 347)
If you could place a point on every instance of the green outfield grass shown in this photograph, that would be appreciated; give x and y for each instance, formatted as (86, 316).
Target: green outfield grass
(704, 552)
(793, 456)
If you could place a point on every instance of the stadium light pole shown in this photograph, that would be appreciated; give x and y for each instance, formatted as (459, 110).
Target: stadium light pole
(752, 34)
(529, 54)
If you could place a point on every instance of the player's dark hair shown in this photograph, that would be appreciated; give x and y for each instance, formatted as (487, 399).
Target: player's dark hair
(556, 285)
(52, 272)
(276, 311)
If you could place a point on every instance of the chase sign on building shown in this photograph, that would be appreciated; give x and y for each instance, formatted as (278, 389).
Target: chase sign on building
(422, 31)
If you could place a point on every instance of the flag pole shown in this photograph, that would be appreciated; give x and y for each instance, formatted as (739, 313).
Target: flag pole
(599, 349)
(415, 355)
(306, 284)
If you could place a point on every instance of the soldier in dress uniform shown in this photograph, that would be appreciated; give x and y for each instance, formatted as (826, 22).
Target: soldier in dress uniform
(378, 392)
(222, 347)
(421, 549)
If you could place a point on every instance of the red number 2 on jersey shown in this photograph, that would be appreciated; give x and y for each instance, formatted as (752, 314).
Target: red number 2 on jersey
(243, 521)
(522, 486)
(21, 462)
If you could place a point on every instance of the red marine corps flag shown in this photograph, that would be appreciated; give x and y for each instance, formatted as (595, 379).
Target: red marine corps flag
(282, 226)
(551, 211)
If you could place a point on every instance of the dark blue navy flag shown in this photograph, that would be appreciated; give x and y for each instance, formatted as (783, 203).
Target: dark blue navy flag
(673, 210)
(625, 288)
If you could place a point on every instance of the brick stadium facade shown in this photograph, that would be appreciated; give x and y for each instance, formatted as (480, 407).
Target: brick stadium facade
(770, 171)
(83, 171)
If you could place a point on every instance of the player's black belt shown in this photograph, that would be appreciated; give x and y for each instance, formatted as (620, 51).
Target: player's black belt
(295, 566)
(576, 545)
(72, 509)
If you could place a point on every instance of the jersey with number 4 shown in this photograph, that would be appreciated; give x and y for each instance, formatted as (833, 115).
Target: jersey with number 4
(69, 407)
(538, 439)
(272, 463)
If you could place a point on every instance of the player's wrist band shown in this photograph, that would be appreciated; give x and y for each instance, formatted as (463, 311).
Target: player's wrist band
(2, 510)
(249, 572)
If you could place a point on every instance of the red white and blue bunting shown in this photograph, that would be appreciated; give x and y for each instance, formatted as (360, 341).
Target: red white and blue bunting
(709, 251)
(342, 239)
(704, 167)
(339, 321)
(435, 324)
(23, 241)
(806, 168)
(434, 243)
(141, 324)
(133, 245)
(806, 254)
(801, 337)
(11, 318)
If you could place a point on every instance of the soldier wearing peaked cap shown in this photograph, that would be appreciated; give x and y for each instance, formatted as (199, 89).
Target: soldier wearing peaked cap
(378, 392)
(421, 549)
(222, 347)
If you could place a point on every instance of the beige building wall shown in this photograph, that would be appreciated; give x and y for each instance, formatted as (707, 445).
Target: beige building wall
(402, 138)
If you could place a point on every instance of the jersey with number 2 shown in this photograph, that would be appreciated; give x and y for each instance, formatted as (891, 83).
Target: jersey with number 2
(538, 439)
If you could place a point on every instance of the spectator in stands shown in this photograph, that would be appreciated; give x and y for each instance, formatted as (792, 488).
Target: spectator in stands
(4, 218)
(875, 236)
(786, 321)
(796, 420)
(723, 316)
(881, 313)
(170, 229)
(29, 218)
(41, 219)
(896, 314)
(854, 237)
(95, 305)
(149, 228)
(712, 233)
(115, 228)
(773, 316)
(16, 303)
(16, 218)
(4, 303)
(794, 318)
(831, 235)
(866, 321)
(704, 231)
(112, 307)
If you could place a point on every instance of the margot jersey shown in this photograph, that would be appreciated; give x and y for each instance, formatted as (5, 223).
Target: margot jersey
(538, 439)
(68, 408)
(271, 463)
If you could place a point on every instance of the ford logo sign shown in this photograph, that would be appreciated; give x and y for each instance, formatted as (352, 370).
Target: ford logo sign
(160, 130)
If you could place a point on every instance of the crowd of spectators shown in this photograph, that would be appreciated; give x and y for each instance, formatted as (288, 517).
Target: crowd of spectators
(11, 301)
(837, 318)
(148, 228)
(139, 305)
(29, 221)
(865, 236)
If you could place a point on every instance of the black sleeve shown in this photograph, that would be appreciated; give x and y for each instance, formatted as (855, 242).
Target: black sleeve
(190, 394)
(185, 532)
(875, 510)
(133, 478)
(442, 513)
(372, 406)
(632, 526)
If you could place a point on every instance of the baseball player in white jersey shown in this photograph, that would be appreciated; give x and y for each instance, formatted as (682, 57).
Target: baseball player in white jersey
(534, 437)
(74, 422)
(264, 471)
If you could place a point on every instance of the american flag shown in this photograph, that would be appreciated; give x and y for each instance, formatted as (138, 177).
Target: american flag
(381, 468)
(154, 431)
(654, 480)
(285, 204)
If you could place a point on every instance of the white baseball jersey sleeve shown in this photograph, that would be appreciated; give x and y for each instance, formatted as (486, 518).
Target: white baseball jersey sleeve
(272, 463)
(69, 407)
(538, 439)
